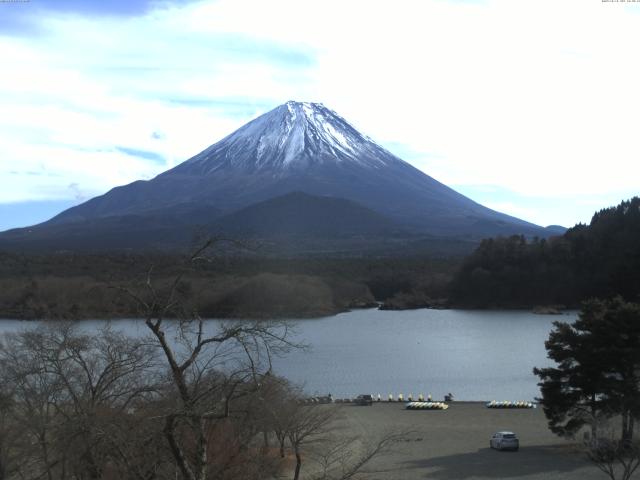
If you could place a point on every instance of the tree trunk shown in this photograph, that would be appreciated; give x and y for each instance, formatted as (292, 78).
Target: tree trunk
(296, 474)
(91, 466)
(178, 455)
(625, 425)
(281, 440)
(594, 417)
(201, 449)
(45, 454)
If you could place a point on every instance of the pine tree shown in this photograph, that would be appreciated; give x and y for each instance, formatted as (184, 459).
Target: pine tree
(598, 369)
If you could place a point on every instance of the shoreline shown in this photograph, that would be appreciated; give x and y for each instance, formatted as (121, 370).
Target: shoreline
(297, 316)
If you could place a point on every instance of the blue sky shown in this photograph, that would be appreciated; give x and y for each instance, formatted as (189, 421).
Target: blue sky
(527, 107)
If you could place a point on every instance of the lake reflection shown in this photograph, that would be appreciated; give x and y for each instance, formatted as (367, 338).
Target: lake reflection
(476, 355)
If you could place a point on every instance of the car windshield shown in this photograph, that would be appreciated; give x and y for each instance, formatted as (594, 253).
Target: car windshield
(509, 435)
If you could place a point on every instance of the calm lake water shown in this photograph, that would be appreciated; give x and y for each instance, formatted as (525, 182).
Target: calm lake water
(476, 355)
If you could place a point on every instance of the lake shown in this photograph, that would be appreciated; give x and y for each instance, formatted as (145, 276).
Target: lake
(476, 355)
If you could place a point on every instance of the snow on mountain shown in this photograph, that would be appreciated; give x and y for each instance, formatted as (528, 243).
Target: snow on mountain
(294, 135)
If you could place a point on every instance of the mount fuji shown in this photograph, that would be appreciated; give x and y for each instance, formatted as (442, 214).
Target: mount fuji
(295, 151)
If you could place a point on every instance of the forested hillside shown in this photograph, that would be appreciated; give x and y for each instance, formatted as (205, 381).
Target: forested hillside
(76, 286)
(601, 259)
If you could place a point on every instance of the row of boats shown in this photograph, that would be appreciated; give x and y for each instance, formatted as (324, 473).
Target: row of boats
(410, 398)
(507, 404)
(427, 406)
(420, 404)
(400, 398)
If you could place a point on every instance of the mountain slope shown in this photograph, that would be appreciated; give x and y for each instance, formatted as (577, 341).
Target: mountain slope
(300, 214)
(303, 147)
(296, 147)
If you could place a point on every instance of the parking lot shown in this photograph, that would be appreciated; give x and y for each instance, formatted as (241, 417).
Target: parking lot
(454, 443)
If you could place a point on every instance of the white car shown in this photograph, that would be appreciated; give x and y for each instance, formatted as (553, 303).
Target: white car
(504, 441)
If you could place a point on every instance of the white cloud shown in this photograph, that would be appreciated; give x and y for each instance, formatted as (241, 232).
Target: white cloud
(539, 97)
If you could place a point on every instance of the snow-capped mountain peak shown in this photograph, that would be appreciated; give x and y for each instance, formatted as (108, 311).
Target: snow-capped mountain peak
(295, 135)
(296, 147)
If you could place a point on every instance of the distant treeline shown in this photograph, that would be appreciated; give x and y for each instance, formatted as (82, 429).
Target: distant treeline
(74, 286)
(601, 259)
(597, 260)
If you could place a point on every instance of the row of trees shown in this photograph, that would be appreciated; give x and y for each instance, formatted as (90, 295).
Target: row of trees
(596, 381)
(76, 405)
(596, 260)
(79, 406)
(75, 286)
(187, 399)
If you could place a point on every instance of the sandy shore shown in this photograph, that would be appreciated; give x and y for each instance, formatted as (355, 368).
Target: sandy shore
(454, 444)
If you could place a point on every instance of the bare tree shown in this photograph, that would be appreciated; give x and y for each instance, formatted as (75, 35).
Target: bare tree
(210, 369)
(34, 392)
(311, 433)
(68, 391)
(277, 412)
(618, 459)
(308, 424)
(346, 458)
(10, 437)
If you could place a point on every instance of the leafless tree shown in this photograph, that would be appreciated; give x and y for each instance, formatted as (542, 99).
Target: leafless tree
(68, 389)
(618, 459)
(277, 410)
(311, 432)
(10, 437)
(210, 367)
(308, 424)
(346, 458)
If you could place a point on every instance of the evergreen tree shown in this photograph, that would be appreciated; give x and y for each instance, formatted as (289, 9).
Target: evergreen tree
(598, 369)
(616, 326)
(601, 259)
